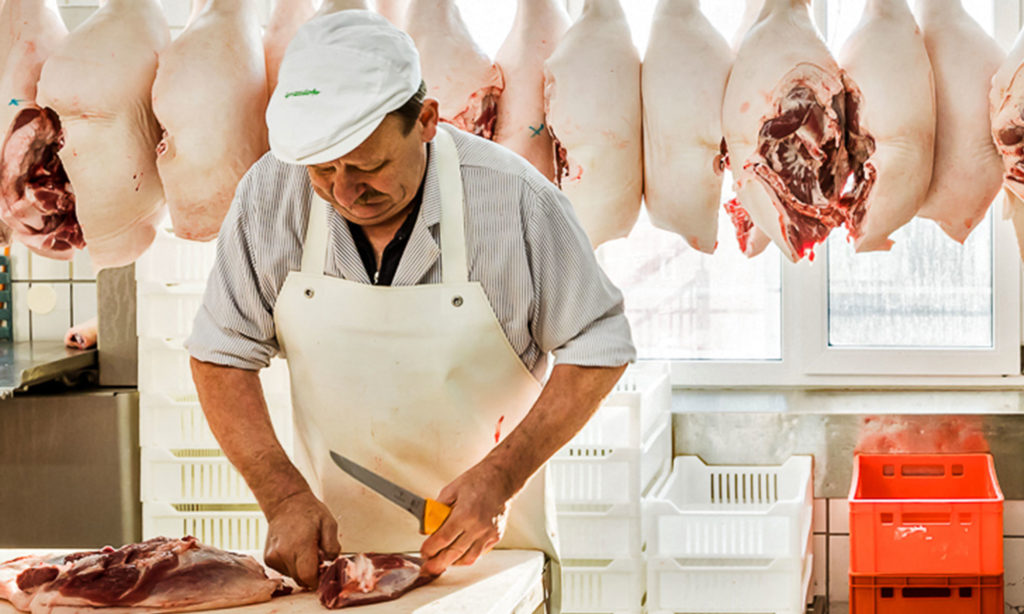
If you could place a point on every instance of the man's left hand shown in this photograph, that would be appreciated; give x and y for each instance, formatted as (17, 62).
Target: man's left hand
(479, 499)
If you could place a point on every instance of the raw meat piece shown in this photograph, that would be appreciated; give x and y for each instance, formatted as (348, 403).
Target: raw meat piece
(538, 26)
(210, 96)
(393, 10)
(99, 81)
(82, 336)
(751, 10)
(592, 98)
(284, 21)
(461, 77)
(157, 575)
(1006, 102)
(35, 200)
(968, 170)
(787, 119)
(683, 134)
(359, 579)
(885, 56)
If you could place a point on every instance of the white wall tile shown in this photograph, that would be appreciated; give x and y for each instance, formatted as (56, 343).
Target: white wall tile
(1013, 563)
(83, 296)
(838, 516)
(41, 267)
(819, 579)
(819, 524)
(54, 325)
(20, 315)
(1013, 518)
(839, 568)
(19, 262)
(81, 265)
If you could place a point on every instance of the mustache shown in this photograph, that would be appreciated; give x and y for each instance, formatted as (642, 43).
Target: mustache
(369, 194)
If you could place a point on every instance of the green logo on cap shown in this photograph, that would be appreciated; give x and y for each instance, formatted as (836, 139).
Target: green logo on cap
(313, 92)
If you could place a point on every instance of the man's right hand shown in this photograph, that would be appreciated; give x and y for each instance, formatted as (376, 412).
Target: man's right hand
(302, 532)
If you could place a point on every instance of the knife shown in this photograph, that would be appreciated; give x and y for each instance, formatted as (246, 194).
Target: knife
(429, 512)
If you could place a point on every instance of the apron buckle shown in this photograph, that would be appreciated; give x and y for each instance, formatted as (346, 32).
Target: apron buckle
(457, 301)
(309, 293)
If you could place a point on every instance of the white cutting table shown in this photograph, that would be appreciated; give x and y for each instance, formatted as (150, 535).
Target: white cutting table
(501, 582)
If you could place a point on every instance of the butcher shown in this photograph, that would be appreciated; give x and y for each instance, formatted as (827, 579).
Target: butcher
(416, 278)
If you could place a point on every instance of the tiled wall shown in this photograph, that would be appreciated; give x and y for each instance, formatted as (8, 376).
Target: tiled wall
(832, 552)
(73, 283)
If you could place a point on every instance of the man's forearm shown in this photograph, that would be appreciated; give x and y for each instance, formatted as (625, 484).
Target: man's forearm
(570, 397)
(236, 410)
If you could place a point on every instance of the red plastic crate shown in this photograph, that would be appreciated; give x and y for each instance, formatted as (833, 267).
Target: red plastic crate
(926, 594)
(927, 514)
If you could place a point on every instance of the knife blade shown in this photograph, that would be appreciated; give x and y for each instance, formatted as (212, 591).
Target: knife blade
(430, 512)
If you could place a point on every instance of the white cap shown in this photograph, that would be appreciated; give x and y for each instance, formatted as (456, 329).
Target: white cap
(342, 73)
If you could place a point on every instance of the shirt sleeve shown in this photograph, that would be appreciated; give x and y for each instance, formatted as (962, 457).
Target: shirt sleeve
(235, 324)
(576, 312)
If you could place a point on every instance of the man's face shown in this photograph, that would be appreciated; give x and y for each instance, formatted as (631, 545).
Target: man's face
(375, 182)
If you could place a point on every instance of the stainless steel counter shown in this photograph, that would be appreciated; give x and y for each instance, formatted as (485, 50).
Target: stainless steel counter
(27, 363)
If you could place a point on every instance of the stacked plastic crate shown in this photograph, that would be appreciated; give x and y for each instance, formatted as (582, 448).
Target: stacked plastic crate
(730, 538)
(926, 535)
(188, 486)
(599, 479)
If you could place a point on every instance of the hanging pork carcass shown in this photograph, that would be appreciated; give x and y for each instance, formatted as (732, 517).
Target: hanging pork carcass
(37, 205)
(465, 82)
(1006, 101)
(100, 82)
(967, 170)
(683, 133)
(393, 10)
(789, 121)
(885, 56)
(210, 95)
(521, 125)
(284, 22)
(592, 97)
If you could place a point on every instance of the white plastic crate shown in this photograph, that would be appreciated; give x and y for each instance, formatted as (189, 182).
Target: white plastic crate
(167, 310)
(171, 478)
(775, 588)
(173, 260)
(731, 512)
(602, 587)
(164, 369)
(646, 387)
(589, 474)
(601, 533)
(169, 423)
(241, 527)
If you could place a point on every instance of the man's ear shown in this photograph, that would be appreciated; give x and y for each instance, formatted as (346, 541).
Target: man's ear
(429, 116)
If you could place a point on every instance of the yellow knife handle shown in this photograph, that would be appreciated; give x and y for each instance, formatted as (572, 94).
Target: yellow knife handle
(434, 515)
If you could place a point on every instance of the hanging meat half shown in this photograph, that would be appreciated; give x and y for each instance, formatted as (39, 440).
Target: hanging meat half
(36, 201)
(592, 98)
(538, 26)
(967, 170)
(360, 579)
(1006, 101)
(751, 11)
(157, 575)
(393, 10)
(886, 57)
(284, 22)
(99, 82)
(210, 96)
(786, 117)
(683, 134)
(458, 74)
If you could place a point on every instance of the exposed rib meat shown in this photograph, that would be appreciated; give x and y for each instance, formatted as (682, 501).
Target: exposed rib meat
(359, 579)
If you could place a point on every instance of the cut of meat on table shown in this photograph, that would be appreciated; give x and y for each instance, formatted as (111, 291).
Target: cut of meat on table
(99, 82)
(538, 27)
(359, 579)
(592, 97)
(886, 58)
(788, 119)
(751, 10)
(683, 158)
(36, 202)
(466, 83)
(284, 21)
(210, 96)
(393, 10)
(1006, 102)
(157, 575)
(968, 170)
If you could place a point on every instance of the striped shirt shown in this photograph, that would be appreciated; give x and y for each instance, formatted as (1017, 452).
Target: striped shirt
(523, 243)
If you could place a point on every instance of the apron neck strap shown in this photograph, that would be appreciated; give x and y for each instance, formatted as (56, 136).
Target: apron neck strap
(453, 235)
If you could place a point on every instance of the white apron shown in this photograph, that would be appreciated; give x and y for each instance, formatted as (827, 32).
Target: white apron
(412, 382)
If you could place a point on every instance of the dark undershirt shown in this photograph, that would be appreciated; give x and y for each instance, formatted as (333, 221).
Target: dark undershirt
(395, 248)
